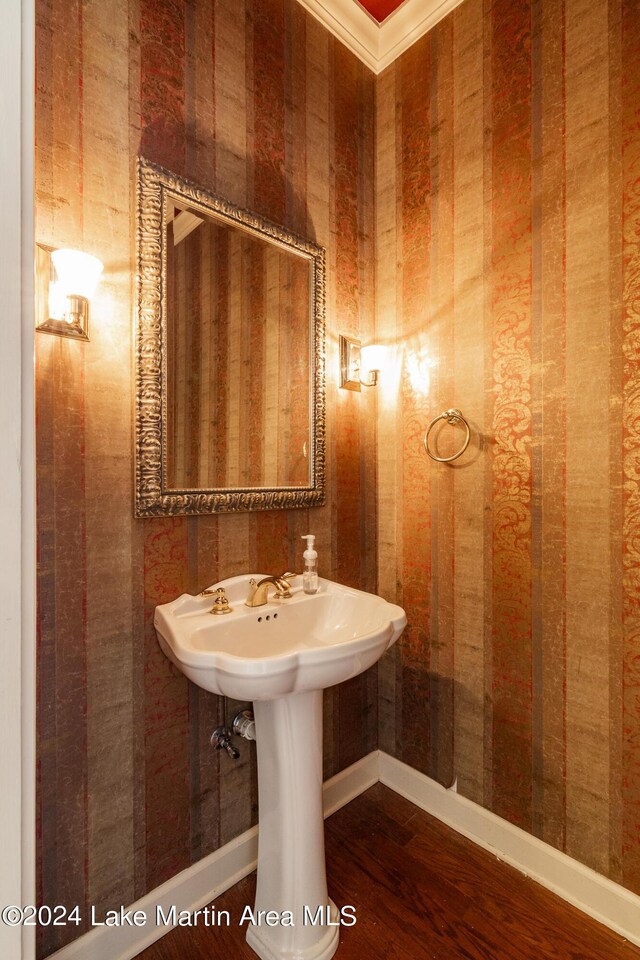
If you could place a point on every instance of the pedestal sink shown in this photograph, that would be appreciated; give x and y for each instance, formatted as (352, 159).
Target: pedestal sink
(281, 656)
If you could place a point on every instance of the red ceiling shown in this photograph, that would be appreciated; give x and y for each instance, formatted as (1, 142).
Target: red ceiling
(380, 9)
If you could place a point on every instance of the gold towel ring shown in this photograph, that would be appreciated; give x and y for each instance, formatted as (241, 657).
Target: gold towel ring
(451, 416)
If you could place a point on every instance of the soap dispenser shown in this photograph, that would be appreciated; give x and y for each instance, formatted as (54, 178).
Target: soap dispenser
(310, 575)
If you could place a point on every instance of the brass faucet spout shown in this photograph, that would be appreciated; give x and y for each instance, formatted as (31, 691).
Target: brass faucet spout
(259, 592)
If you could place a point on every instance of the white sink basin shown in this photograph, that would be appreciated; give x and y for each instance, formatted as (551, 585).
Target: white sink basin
(258, 653)
(282, 655)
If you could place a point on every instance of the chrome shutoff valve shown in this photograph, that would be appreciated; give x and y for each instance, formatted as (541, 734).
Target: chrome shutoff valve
(221, 740)
(245, 725)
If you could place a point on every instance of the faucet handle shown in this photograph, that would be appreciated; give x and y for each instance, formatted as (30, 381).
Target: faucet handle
(221, 604)
(282, 585)
(221, 740)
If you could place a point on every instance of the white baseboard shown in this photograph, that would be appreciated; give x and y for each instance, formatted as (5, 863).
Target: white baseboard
(350, 783)
(188, 890)
(207, 879)
(608, 902)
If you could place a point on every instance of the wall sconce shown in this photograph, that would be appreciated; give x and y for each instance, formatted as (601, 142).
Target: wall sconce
(354, 358)
(66, 280)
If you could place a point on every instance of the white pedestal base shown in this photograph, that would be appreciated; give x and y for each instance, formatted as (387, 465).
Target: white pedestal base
(291, 867)
(267, 947)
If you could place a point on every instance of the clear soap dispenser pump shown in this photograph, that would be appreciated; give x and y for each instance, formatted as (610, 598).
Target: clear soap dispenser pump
(310, 575)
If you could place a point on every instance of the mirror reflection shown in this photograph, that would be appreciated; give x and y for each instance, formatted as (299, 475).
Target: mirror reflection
(238, 356)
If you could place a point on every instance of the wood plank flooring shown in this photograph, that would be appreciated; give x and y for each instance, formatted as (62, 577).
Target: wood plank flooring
(422, 892)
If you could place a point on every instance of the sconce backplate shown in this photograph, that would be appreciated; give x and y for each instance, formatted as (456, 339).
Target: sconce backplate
(350, 363)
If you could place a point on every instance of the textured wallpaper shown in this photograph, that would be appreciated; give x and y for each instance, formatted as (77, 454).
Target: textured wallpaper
(254, 100)
(496, 166)
(508, 271)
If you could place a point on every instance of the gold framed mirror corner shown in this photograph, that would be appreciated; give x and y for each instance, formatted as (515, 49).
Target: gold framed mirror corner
(230, 356)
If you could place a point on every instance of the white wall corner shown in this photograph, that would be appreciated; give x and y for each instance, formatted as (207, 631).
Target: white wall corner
(17, 485)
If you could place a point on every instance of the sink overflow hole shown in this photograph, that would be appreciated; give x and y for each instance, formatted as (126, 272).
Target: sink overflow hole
(275, 617)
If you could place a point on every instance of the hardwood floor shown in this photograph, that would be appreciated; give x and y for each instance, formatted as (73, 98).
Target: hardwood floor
(422, 892)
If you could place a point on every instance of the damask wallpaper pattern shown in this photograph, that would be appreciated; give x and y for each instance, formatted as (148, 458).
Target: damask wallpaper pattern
(508, 274)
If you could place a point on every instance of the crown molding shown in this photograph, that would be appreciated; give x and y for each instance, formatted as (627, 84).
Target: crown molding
(407, 24)
(351, 24)
(378, 45)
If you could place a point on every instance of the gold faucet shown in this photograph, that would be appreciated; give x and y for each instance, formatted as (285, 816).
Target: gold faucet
(258, 592)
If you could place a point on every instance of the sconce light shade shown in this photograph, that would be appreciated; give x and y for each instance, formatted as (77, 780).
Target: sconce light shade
(372, 358)
(78, 273)
(69, 278)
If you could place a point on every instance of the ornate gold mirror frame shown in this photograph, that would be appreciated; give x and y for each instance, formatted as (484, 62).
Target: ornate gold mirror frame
(153, 497)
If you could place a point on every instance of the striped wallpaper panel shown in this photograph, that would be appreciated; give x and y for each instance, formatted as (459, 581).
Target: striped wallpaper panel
(254, 100)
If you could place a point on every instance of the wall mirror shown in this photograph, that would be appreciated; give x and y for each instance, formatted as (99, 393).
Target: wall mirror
(230, 391)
